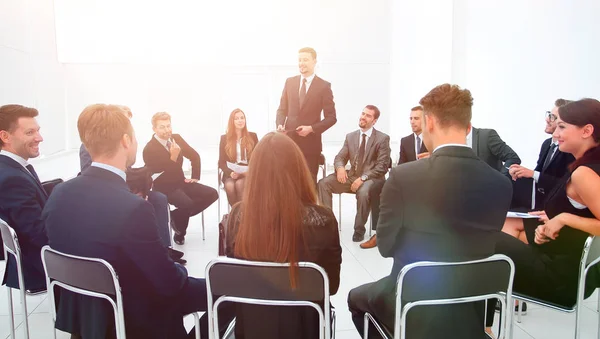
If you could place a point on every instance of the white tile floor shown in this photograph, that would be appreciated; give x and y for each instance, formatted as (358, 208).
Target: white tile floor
(358, 267)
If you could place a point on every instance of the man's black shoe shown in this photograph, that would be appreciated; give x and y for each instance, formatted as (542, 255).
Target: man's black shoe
(179, 239)
(175, 254)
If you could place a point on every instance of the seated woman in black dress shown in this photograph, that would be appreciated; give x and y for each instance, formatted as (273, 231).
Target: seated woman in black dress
(236, 146)
(547, 252)
(279, 220)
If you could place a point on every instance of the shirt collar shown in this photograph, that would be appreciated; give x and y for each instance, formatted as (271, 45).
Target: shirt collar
(162, 142)
(470, 135)
(308, 79)
(448, 145)
(367, 132)
(15, 157)
(111, 169)
(418, 135)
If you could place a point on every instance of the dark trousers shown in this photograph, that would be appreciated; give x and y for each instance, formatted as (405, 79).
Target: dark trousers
(161, 210)
(312, 160)
(367, 198)
(190, 199)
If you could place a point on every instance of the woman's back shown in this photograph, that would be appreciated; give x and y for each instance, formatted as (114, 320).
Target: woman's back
(319, 244)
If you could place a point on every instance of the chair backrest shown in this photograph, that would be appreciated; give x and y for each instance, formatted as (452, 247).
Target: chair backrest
(591, 250)
(9, 238)
(266, 283)
(437, 283)
(88, 274)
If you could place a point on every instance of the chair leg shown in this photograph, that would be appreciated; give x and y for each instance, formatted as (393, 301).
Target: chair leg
(25, 321)
(371, 228)
(340, 211)
(519, 311)
(219, 203)
(11, 315)
(203, 225)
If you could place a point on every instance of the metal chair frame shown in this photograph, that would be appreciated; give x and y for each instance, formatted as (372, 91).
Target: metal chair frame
(11, 246)
(505, 298)
(325, 318)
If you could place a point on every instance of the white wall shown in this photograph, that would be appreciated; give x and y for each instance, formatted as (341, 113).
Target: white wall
(171, 60)
(29, 71)
(518, 56)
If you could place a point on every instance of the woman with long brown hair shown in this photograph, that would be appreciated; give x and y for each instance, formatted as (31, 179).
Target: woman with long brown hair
(236, 146)
(279, 220)
(547, 251)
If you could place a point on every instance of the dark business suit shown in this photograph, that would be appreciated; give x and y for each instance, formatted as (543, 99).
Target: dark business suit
(22, 199)
(444, 208)
(407, 149)
(548, 178)
(224, 158)
(290, 114)
(189, 198)
(120, 227)
(375, 166)
(157, 199)
(492, 150)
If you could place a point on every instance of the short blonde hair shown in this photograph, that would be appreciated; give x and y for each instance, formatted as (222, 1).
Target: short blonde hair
(160, 116)
(101, 128)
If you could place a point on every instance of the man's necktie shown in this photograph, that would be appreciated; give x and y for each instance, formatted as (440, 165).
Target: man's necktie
(418, 145)
(549, 156)
(303, 92)
(169, 143)
(361, 155)
(32, 171)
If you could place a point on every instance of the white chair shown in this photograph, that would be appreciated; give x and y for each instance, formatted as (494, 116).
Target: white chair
(476, 280)
(267, 283)
(92, 277)
(11, 246)
(590, 256)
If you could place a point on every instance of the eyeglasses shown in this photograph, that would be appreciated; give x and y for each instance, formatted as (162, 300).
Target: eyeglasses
(551, 117)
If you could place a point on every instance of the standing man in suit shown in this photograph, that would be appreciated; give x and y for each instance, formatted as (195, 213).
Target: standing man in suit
(22, 196)
(303, 99)
(443, 208)
(120, 227)
(368, 151)
(488, 146)
(164, 154)
(412, 145)
(551, 166)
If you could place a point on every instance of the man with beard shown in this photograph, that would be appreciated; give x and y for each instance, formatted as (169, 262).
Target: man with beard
(411, 146)
(368, 151)
(120, 227)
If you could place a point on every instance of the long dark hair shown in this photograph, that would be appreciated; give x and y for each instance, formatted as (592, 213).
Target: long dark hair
(247, 143)
(580, 113)
(278, 186)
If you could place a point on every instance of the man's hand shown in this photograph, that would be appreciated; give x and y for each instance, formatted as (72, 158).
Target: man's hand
(304, 130)
(280, 128)
(518, 171)
(356, 185)
(423, 155)
(174, 150)
(342, 175)
(191, 181)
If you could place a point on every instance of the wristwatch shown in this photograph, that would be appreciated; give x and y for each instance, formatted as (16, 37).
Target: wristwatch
(364, 177)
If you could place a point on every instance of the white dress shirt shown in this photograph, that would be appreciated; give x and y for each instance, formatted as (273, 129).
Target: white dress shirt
(162, 142)
(447, 145)
(308, 82)
(368, 133)
(536, 174)
(111, 169)
(470, 138)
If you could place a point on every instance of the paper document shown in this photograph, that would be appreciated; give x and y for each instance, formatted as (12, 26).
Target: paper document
(521, 215)
(237, 168)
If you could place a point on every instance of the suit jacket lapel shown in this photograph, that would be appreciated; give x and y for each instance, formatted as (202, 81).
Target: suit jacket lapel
(411, 147)
(370, 142)
(296, 92)
(18, 166)
(159, 145)
(475, 141)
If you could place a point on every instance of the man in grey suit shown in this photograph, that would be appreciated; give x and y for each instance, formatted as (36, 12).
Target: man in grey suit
(368, 151)
(447, 207)
(488, 146)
